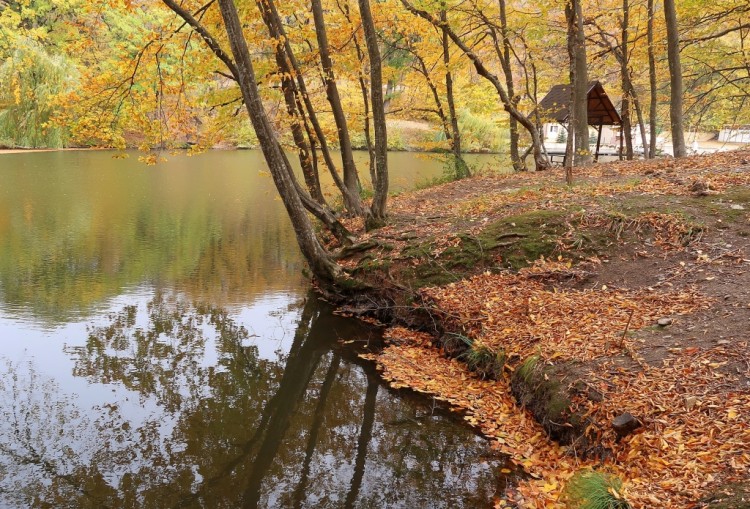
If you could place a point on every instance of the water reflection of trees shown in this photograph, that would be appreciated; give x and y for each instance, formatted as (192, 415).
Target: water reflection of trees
(308, 429)
(71, 238)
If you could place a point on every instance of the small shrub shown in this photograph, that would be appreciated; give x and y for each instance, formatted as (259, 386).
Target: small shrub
(594, 490)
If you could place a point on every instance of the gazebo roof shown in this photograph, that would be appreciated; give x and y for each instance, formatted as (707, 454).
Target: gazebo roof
(555, 105)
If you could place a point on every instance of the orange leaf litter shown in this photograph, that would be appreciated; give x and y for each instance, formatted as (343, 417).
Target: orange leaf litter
(670, 462)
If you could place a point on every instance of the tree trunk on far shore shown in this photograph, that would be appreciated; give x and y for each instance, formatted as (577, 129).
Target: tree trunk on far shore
(652, 82)
(378, 116)
(540, 160)
(579, 82)
(675, 80)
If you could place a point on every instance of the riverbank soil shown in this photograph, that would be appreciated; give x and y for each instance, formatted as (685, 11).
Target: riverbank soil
(600, 326)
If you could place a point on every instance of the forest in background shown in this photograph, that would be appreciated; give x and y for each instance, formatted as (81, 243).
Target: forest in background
(132, 73)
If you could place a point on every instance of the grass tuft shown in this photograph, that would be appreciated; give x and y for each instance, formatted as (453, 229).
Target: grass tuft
(594, 490)
(484, 361)
(528, 367)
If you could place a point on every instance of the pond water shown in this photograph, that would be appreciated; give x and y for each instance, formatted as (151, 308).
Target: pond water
(160, 347)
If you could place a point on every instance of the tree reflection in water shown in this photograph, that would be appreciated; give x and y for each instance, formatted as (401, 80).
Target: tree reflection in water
(228, 428)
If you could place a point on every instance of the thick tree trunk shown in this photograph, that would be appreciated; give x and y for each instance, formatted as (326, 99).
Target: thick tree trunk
(321, 212)
(378, 115)
(540, 160)
(344, 8)
(675, 80)
(579, 83)
(351, 177)
(321, 264)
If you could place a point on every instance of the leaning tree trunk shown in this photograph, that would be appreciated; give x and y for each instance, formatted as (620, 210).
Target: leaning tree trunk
(351, 177)
(675, 80)
(352, 200)
(378, 115)
(638, 115)
(321, 264)
(289, 90)
(366, 119)
(505, 63)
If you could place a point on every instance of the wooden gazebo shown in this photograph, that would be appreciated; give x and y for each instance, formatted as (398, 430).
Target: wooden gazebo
(556, 106)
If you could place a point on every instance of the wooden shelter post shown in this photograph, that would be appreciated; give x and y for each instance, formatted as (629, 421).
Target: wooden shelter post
(598, 140)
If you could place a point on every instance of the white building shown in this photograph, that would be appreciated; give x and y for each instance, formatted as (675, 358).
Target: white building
(735, 134)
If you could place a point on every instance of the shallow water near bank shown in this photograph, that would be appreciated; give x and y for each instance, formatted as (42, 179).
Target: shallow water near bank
(159, 347)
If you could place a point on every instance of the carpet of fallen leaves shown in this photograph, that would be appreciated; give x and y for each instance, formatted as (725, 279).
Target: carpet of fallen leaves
(696, 423)
(475, 198)
(520, 314)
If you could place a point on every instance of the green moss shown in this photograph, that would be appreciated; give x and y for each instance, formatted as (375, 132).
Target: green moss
(369, 263)
(517, 241)
(537, 387)
(594, 490)
(525, 237)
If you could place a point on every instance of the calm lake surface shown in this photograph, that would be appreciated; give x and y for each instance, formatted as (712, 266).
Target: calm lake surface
(160, 347)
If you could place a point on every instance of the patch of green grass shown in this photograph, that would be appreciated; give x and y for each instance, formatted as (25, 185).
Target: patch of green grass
(594, 490)
(454, 344)
(484, 361)
(525, 370)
